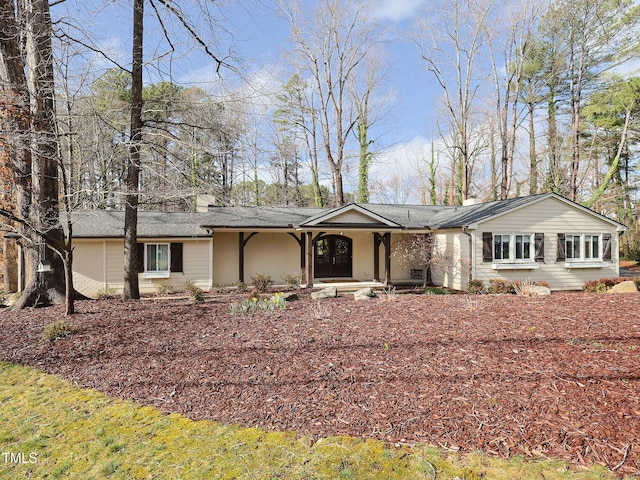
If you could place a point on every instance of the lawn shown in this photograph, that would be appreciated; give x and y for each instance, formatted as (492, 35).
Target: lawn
(508, 376)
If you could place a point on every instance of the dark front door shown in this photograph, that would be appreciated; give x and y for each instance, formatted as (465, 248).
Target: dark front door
(333, 257)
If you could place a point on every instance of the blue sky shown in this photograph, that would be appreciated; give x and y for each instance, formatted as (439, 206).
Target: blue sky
(256, 41)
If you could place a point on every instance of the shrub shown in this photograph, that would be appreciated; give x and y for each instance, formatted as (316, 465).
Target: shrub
(261, 282)
(292, 280)
(3, 297)
(476, 287)
(58, 329)
(163, 287)
(500, 286)
(195, 293)
(604, 284)
(242, 287)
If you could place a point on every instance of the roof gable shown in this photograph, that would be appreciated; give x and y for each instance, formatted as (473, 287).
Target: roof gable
(351, 214)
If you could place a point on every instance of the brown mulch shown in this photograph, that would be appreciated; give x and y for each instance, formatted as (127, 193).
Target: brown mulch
(555, 376)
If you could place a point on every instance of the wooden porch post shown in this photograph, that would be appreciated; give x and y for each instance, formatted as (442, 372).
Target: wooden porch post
(376, 256)
(242, 242)
(387, 259)
(241, 257)
(309, 259)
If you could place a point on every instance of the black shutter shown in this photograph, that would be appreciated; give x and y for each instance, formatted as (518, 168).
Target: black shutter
(606, 246)
(487, 246)
(176, 257)
(539, 239)
(561, 255)
(140, 257)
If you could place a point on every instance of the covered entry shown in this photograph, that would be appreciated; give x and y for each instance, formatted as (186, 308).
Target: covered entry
(333, 257)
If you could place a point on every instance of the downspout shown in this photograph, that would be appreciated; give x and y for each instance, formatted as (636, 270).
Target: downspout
(472, 253)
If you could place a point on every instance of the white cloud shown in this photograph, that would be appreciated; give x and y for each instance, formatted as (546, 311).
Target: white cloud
(397, 10)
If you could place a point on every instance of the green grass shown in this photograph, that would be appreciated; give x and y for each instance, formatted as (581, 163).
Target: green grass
(78, 433)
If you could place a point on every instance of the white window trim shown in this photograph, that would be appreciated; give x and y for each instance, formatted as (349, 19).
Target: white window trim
(512, 263)
(584, 262)
(157, 273)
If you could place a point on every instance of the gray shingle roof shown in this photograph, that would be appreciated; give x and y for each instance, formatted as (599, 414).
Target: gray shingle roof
(105, 223)
(110, 224)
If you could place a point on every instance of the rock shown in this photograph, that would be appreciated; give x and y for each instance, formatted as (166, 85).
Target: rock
(364, 294)
(329, 292)
(539, 291)
(627, 286)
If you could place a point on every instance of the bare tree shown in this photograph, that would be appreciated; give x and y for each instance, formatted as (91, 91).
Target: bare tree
(450, 51)
(508, 52)
(332, 45)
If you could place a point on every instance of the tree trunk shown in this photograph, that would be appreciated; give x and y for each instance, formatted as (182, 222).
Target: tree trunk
(533, 158)
(35, 151)
(131, 284)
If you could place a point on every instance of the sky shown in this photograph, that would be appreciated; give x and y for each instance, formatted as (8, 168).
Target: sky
(254, 40)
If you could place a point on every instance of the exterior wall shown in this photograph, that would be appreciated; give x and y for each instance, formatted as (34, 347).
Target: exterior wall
(276, 254)
(98, 266)
(451, 260)
(549, 216)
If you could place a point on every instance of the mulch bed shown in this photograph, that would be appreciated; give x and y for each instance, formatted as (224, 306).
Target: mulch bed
(556, 376)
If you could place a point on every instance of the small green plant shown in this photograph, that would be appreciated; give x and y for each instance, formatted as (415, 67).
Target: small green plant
(253, 304)
(261, 282)
(436, 291)
(241, 287)
(3, 297)
(292, 280)
(58, 329)
(163, 287)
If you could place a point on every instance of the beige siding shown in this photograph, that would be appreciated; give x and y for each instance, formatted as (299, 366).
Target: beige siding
(352, 216)
(99, 266)
(88, 266)
(225, 258)
(550, 216)
(451, 261)
(276, 254)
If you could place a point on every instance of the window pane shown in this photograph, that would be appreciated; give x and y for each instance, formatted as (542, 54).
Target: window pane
(497, 250)
(591, 249)
(576, 246)
(152, 265)
(523, 247)
(163, 258)
(505, 247)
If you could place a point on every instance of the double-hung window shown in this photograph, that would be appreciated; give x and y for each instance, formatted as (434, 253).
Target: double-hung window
(584, 250)
(522, 247)
(572, 247)
(582, 247)
(513, 250)
(501, 247)
(514, 247)
(157, 258)
(591, 247)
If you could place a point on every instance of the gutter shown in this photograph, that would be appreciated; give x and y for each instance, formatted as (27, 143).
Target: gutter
(472, 252)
